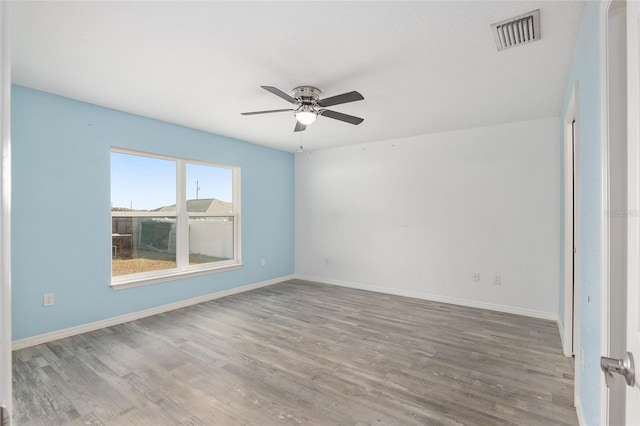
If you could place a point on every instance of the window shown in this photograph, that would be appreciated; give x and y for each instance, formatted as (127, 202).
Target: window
(171, 217)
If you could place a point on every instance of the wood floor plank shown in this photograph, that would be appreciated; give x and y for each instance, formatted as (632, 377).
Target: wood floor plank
(302, 353)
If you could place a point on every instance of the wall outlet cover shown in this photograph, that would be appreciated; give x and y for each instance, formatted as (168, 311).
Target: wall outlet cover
(48, 299)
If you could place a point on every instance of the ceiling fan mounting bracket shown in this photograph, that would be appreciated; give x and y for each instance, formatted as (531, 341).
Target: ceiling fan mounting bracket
(306, 94)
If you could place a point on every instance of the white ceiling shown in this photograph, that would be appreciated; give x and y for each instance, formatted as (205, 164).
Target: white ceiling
(423, 67)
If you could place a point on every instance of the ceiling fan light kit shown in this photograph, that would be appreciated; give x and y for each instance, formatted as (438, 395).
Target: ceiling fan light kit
(309, 105)
(306, 114)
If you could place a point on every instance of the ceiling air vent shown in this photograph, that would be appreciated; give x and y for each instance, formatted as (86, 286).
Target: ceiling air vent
(516, 31)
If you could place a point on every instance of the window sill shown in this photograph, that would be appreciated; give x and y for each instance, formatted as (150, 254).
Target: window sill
(124, 282)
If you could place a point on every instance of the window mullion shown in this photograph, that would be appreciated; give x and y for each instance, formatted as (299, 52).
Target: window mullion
(182, 217)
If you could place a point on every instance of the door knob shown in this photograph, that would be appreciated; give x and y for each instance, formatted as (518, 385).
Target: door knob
(624, 367)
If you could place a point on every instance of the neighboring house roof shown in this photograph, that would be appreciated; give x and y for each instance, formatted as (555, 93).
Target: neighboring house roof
(204, 205)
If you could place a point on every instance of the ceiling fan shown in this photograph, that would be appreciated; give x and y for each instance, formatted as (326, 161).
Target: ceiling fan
(309, 105)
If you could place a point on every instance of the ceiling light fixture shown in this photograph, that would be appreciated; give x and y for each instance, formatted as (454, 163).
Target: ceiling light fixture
(306, 114)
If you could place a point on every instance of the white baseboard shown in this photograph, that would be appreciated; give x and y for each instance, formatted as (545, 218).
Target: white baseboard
(108, 322)
(561, 330)
(436, 298)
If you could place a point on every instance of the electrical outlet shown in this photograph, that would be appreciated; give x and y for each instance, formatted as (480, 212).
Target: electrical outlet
(475, 277)
(497, 279)
(48, 299)
(263, 263)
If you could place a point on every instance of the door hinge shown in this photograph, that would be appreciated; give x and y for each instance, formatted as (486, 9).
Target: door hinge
(4, 416)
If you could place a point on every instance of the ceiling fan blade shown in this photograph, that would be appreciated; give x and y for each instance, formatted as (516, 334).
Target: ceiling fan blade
(342, 117)
(280, 93)
(341, 99)
(299, 127)
(266, 112)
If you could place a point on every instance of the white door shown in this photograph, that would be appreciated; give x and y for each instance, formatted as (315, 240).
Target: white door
(5, 237)
(633, 265)
(615, 158)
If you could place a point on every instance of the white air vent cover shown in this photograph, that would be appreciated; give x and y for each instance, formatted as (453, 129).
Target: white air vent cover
(516, 31)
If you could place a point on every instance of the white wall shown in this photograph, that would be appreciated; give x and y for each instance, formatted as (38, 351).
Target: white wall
(418, 216)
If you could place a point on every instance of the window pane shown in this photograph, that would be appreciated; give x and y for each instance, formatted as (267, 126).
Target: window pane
(210, 239)
(141, 183)
(142, 244)
(209, 189)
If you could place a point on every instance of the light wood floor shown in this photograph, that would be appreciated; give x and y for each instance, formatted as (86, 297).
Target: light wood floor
(302, 353)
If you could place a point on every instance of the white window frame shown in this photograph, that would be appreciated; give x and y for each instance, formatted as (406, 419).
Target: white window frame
(183, 269)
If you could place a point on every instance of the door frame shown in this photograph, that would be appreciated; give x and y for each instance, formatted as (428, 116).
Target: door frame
(5, 211)
(570, 337)
(604, 201)
(571, 332)
(632, 413)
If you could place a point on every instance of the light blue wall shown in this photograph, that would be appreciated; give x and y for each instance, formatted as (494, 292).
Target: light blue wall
(61, 210)
(585, 70)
